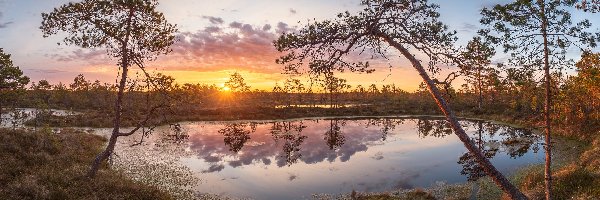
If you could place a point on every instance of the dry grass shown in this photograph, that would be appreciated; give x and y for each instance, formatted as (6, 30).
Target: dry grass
(578, 180)
(47, 165)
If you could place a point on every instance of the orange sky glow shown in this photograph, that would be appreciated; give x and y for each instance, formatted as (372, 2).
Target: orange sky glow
(215, 39)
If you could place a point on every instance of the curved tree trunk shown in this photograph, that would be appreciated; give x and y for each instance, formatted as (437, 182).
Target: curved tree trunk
(489, 169)
(116, 123)
(118, 104)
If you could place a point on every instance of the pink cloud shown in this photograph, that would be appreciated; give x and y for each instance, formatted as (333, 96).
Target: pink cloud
(234, 46)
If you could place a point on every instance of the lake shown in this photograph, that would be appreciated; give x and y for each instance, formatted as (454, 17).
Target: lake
(294, 159)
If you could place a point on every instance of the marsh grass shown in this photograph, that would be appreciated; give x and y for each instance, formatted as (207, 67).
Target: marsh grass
(440, 190)
(48, 165)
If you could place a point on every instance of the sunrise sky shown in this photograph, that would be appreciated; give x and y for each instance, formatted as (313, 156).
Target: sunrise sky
(217, 39)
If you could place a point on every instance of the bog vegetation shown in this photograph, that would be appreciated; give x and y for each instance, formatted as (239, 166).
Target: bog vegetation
(536, 34)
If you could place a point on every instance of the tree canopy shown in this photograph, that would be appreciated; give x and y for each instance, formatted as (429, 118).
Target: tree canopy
(113, 25)
(11, 80)
(518, 28)
(236, 83)
(11, 77)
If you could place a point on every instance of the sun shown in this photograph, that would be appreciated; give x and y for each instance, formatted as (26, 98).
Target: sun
(225, 89)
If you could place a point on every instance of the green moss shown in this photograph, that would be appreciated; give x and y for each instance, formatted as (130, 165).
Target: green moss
(46, 165)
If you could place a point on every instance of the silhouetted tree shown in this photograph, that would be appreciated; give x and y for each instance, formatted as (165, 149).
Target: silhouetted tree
(12, 80)
(589, 5)
(132, 31)
(236, 83)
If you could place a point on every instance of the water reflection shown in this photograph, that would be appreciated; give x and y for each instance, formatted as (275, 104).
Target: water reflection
(433, 128)
(515, 142)
(290, 133)
(341, 155)
(235, 135)
(386, 125)
(286, 142)
(334, 136)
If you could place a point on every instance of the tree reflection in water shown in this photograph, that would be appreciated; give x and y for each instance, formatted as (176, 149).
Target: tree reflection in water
(433, 128)
(290, 133)
(334, 136)
(515, 143)
(236, 135)
(289, 142)
(387, 125)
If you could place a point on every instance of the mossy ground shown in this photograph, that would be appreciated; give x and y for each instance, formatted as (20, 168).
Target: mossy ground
(46, 165)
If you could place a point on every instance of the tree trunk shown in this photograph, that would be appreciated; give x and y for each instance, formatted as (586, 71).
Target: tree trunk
(480, 133)
(548, 146)
(1, 111)
(480, 87)
(487, 166)
(118, 105)
(116, 123)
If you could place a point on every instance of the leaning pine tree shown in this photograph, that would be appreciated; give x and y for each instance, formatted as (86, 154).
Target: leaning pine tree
(537, 34)
(409, 27)
(130, 30)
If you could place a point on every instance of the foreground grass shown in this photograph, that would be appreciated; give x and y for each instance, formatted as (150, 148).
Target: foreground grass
(46, 165)
(579, 179)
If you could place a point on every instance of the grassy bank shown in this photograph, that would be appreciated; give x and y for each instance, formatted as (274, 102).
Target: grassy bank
(579, 179)
(46, 165)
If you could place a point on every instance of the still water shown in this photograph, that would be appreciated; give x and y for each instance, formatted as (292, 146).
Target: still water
(297, 158)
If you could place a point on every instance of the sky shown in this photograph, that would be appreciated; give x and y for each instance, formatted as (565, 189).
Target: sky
(217, 39)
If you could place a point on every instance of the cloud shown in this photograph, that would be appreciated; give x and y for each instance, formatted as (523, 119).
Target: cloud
(222, 46)
(284, 28)
(91, 56)
(212, 159)
(467, 27)
(212, 29)
(235, 25)
(213, 20)
(266, 27)
(378, 156)
(292, 177)
(5, 24)
(214, 168)
(47, 71)
(293, 11)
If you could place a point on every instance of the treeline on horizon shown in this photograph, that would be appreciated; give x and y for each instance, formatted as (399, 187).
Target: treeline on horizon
(514, 93)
